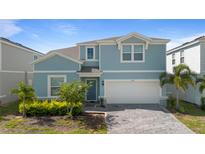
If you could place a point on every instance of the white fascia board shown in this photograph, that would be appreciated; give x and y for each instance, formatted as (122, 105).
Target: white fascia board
(89, 74)
(184, 46)
(13, 45)
(137, 35)
(91, 44)
(133, 71)
(53, 54)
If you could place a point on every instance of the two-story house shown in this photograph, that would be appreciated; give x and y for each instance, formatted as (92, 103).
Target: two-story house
(15, 60)
(122, 69)
(192, 54)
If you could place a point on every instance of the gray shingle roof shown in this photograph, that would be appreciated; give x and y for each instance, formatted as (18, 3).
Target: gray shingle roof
(72, 52)
(18, 44)
(89, 69)
(186, 43)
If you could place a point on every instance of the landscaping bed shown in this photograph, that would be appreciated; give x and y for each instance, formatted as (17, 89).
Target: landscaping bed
(193, 117)
(11, 122)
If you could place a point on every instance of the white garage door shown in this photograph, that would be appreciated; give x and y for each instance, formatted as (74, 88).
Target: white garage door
(132, 92)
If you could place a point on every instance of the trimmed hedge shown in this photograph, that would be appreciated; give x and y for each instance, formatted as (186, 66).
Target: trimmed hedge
(53, 108)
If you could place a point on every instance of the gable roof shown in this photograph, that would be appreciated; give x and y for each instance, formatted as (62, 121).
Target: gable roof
(187, 44)
(52, 54)
(7, 41)
(118, 38)
(72, 52)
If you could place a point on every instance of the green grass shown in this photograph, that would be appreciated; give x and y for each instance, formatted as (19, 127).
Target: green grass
(12, 123)
(193, 117)
(10, 108)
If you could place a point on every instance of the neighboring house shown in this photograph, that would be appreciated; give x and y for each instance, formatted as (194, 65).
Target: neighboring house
(122, 69)
(192, 54)
(15, 60)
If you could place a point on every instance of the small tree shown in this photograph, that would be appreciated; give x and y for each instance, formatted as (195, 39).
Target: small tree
(181, 78)
(201, 82)
(73, 93)
(25, 93)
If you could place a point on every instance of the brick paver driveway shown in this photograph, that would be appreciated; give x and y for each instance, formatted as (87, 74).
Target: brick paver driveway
(145, 119)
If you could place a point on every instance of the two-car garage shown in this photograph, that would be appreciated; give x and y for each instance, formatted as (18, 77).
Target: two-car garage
(132, 91)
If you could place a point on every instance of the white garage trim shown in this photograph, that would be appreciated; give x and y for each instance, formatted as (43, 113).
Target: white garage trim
(157, 81)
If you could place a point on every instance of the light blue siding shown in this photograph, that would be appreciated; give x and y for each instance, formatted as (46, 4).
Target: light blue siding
(133, 40)
(40, 82)
(83, 54)
(56, 63)
(155, 59)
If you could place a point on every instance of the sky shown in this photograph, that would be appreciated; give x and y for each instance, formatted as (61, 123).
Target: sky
(45, 35)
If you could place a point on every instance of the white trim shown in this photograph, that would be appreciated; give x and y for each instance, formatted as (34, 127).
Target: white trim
(31, 51)
(140, 80)
(86, 54)
(53, 54)
(3, 96)
(57, 71)
(87, 44)
(132, 53)
(95, 88)
(8, 71)
(128, 80)
(49, 83)
(133, 71)
(0, 57)
(184, 46)
(89, 74)
(137, 35)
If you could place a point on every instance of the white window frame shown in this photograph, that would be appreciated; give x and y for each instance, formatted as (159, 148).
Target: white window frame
(34, 57)
(86, 53)
(181, 56)
(132, 53)
(49, 83)
(173, 58)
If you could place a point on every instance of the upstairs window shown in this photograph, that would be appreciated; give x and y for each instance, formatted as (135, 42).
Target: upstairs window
(90, 53)
(181, 57)
(35, 57)
(173, 59)
(132, 53)
(138, 53)
(127, 53)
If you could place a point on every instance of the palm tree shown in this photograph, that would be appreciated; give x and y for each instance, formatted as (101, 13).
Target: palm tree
(25, 93)
(181, 78)
(202, 83)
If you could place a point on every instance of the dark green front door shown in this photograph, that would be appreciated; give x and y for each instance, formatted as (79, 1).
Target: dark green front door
(92, 92)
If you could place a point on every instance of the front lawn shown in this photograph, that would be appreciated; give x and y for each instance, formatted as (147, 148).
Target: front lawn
(12, 122)
(193, 117)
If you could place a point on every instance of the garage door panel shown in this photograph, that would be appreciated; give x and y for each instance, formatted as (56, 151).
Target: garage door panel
(129, 92)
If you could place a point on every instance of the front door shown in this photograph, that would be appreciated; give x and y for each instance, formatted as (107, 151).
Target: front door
(92, 92)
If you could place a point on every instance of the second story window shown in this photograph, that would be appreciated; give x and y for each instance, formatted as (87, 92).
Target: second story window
(132, 53)
(182, 57)
(90, 53)
(173, 59)
(35, 57)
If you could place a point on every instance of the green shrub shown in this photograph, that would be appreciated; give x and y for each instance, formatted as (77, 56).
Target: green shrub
(171, 103)
(53, 108)
(73, 92)
(202, 103)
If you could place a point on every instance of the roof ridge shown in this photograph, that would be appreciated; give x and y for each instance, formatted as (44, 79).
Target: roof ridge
(18, 44)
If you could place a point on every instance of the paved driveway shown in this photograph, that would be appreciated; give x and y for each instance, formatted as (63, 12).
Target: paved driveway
(145, 119)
